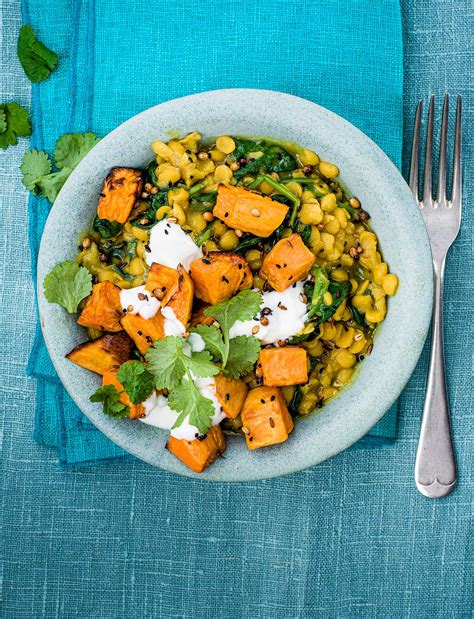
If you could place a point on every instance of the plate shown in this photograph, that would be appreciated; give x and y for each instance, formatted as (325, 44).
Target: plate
(369, 175)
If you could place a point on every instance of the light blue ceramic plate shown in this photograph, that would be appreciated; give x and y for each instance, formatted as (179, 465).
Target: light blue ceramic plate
(369, 175)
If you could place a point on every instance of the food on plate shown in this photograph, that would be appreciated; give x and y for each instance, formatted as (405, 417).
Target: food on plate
(229, 286)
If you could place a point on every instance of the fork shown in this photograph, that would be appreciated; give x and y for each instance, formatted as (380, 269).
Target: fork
(435, 466)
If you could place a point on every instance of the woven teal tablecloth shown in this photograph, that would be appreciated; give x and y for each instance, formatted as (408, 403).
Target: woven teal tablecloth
(351, 537)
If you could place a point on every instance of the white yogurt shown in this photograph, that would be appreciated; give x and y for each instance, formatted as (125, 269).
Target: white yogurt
(170, 245)
(146, 306)
(173, 326)
(159, 414)
(288, 316)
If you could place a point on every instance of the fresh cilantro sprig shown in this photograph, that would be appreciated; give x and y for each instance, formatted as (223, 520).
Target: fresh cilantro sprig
(237, 354)
(109, 396)
(14, 123)
(36, 59)
(174, 370)
(187, 400)
(136, 380)
(37, 167)
(67, 285)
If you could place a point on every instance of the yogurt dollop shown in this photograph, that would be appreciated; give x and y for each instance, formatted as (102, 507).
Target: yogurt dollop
(287, 316)
(140, 301)
(170, 245)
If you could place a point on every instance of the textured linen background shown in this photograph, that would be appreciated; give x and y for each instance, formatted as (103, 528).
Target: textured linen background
(351, 537)
(174, 62)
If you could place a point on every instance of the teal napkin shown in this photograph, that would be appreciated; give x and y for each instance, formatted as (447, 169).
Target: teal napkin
(119, 58)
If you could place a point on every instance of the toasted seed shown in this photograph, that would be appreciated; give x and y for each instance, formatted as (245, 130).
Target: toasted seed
(145, 194)
(148, 186)
(172, 220)
(354, 202)
(255, 329)
(203, 156)
(158, 293)
(264, 321)
(154, 190)
(245, 430)
(208, 216)
(130, 308)
(86, 242)
(255, 212)
(238, 233)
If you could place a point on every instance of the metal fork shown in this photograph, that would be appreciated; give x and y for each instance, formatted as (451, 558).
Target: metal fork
(435, 467)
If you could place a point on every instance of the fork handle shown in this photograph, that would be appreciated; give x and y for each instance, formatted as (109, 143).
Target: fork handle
(435, 467)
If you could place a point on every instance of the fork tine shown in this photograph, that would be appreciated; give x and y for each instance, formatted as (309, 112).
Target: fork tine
(413, 182)
(427, 180)
(456, 195)
(441, 195)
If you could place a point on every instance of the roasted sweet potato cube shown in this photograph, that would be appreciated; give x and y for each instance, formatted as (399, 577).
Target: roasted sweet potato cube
(287, 262)
(110, 378)
(102, 309)
(119, 193)
(248, 211)
(103, 354)
(231, 394)
(182, 300)
(265, 418)
(219, 275)
(198, 455)
(283, 367)
(162, 282)
(144, 332)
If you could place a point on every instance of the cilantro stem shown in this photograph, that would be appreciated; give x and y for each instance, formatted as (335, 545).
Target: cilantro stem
(281, 189)
(195, 189)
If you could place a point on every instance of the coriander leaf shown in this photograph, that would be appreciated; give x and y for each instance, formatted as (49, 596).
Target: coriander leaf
(36, 59)
(67, 285)
(200, 364)
(52, 184)
(110, 398)
(36, 165)
(243, 353)
(3, 120)
(167, 362)
(187, 400)
(18, 118)
(241, 307)
(136, 380)
(212, 339)
(72, 147)
(14, 122)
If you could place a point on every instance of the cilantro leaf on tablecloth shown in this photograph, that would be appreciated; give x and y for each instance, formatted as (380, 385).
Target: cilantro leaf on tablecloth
(36, 59)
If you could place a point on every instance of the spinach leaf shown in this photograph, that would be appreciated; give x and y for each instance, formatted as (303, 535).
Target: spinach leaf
(339, 291)
(320, 287)
(358, 317)
(106, 228)
(273, 158)
(157, 200)
(247, 243)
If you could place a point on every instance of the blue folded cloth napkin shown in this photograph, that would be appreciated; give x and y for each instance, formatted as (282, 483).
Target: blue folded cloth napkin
(119, 58)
